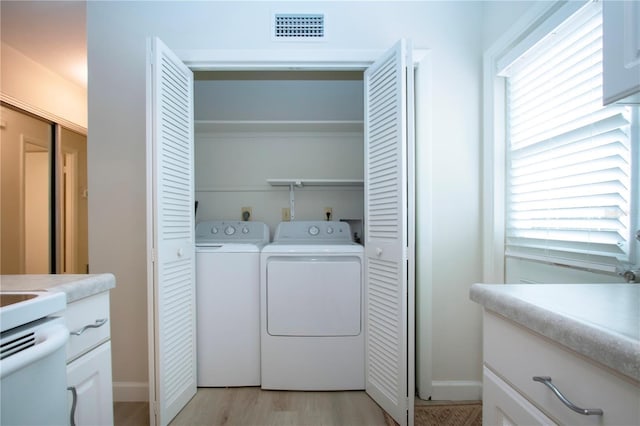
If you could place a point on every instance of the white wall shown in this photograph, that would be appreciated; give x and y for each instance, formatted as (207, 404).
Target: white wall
(232, 169)
(117, 33)
(31, 86)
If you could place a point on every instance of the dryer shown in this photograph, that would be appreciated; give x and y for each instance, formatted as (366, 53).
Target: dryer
(228, 302)
(311, 297)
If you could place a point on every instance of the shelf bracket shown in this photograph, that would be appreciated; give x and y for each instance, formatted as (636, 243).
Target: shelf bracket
(292, 202)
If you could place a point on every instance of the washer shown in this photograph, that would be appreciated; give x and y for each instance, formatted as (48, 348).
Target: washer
(311, 295)
(228, 302)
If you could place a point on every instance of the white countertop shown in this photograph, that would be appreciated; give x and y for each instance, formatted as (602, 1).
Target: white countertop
(599, 321)
(75, 286)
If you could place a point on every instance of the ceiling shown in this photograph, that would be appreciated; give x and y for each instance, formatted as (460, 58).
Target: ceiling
(52, 33)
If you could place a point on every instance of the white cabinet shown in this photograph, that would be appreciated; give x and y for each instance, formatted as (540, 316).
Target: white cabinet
(621, 33)
(513, 355)
(504, 406)
(89, 360)
(90, 376)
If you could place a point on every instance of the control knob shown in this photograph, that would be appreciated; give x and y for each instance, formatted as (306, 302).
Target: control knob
(229, 230)
(314, 230)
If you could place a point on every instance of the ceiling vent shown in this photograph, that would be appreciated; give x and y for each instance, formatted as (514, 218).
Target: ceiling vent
(298, 26)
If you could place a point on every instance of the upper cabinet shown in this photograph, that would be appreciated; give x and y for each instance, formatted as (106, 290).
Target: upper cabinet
(621, 51)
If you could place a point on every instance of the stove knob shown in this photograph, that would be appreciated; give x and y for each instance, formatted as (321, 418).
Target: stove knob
(214, 230)
(329, 230)
(314, 230)
(229, 230)
(245, 230)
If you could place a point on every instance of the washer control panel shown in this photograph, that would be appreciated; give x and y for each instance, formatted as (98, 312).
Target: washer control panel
(313, 231)
(224, 231)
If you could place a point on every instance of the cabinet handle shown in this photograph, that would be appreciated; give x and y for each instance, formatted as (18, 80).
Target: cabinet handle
(74, 403)
(97, 324)
(585, 411)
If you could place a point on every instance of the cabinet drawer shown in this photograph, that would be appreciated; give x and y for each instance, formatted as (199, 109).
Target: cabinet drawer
(517, 354)
(89, 324)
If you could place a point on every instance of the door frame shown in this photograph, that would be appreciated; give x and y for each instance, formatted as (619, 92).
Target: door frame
(349, 60)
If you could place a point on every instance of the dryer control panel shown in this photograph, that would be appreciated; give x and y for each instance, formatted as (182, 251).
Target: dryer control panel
(313, 231)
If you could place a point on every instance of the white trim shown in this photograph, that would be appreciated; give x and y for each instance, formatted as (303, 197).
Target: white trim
(456, 390)
(493, 206)
(423, 224)
(548, 18)
(43, 114)
(151, 336)
(574, 263)
(130, 391)
(289, 60)
(264, 59)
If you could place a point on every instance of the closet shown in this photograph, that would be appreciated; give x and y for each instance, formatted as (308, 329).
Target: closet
(388, 211)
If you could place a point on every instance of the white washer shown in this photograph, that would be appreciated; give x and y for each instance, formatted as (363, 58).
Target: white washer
(312, 324)
(228, 302)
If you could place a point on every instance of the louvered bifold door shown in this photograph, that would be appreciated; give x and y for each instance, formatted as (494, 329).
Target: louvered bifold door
(174, 266)
(387, 84)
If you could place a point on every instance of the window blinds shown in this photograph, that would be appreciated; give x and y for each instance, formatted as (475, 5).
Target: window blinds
(569, 158)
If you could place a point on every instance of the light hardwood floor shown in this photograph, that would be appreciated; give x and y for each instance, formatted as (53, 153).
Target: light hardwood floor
(253, 406)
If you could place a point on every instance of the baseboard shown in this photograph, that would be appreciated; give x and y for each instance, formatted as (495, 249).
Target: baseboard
(130, 391)
(456, 390)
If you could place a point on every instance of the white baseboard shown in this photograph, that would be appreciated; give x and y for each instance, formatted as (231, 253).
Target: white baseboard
(130, 391)
(456, 390)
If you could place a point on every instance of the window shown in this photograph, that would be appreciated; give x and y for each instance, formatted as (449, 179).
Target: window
(570, 182)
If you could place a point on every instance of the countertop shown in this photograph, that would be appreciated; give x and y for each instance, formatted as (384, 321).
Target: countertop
(75, 286)
(599, 321)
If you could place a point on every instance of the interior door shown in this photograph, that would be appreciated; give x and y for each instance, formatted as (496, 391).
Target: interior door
(389, 283)
(172, 318)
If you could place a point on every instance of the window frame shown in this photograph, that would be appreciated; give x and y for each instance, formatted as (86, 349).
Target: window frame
(539, 20)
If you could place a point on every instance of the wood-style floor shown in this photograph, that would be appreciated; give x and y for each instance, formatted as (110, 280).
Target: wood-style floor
(253, 406)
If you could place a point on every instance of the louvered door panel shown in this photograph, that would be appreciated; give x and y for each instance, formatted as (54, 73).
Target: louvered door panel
(386, 221)
(174, 271)
(385, 331)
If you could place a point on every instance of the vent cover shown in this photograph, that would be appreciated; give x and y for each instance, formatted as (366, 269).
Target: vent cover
(17, 344)
(299, 26)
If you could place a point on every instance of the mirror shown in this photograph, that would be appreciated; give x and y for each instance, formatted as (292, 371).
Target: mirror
(43, 226)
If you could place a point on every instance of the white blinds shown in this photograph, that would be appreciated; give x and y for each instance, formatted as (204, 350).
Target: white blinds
(569, 158)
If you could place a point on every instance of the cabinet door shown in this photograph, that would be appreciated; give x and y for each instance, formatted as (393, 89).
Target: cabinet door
(621, 39)
(503, 406)
(90, 375)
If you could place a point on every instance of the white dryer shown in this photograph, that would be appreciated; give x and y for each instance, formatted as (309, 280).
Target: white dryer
(228, 302)
(312, 324)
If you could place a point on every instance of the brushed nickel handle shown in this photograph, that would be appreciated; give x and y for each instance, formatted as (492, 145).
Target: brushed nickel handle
(97, 324)
(74, 403)
(584, 411)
